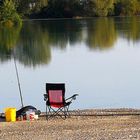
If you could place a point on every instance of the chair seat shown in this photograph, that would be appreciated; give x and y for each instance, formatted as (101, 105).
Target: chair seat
(58, 105)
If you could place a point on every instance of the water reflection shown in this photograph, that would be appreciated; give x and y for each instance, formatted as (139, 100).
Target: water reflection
(128, 28)
(8, 40)
(101, 33)
(33, 47)
(33, 43)
(61, 32)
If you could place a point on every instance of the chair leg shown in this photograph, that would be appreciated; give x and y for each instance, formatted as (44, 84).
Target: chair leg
(61, 112)
(46, 113)
(67, 111)
(65, 114)
(57, 112)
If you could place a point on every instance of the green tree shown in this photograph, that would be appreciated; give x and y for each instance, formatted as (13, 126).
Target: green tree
(127, 7)
(98, 7)
(62, 8)
(8, 13)
(102, 7)
(55, 8)
(28, 7)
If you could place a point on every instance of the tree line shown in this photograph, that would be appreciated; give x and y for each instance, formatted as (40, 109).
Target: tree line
(77, 8)
(11, 11)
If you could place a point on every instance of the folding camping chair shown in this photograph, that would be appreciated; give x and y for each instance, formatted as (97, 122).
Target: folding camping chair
(56, 104)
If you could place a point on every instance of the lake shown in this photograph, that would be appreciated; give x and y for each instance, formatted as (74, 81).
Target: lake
(98, 58)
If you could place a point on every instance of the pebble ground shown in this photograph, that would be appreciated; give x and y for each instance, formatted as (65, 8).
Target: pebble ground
(74, 128)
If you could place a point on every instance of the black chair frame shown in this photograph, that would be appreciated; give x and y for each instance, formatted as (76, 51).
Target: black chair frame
(62, 111)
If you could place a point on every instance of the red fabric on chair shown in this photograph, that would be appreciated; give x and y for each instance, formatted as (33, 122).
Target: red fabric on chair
(56, 98)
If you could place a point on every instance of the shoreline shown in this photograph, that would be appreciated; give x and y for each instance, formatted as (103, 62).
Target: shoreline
(75, 127)
(102, 112)
(75, 18)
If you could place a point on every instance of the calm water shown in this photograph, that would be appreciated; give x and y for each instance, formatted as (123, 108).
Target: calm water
(97, 58)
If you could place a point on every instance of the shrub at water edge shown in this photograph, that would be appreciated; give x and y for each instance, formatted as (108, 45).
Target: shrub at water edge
(8, 14)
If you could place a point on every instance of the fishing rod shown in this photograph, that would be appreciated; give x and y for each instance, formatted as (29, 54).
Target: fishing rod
(18, 82)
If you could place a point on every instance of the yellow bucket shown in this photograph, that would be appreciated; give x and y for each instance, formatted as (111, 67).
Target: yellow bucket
(10, 114)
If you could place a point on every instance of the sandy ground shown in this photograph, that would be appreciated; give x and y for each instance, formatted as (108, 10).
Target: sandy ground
(90, 125)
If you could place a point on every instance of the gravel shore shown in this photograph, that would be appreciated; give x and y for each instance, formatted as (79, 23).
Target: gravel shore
(84, 125)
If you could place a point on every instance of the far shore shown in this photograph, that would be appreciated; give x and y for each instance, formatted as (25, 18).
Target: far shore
(73, 18)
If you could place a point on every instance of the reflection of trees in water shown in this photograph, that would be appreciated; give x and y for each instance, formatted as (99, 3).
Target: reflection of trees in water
(37, 38)
(8, 40)
(128, 28)
(33, 48)
(101, 33)
(63, 31)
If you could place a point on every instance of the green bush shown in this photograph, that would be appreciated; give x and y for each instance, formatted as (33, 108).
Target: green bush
(8, 14)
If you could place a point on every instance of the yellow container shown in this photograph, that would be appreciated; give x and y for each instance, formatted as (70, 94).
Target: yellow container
(10, 114)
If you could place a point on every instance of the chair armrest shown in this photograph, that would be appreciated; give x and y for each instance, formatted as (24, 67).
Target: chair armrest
(45, 97)
(73, 97)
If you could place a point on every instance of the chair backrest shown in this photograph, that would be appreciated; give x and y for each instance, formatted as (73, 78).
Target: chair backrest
(56, 94)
